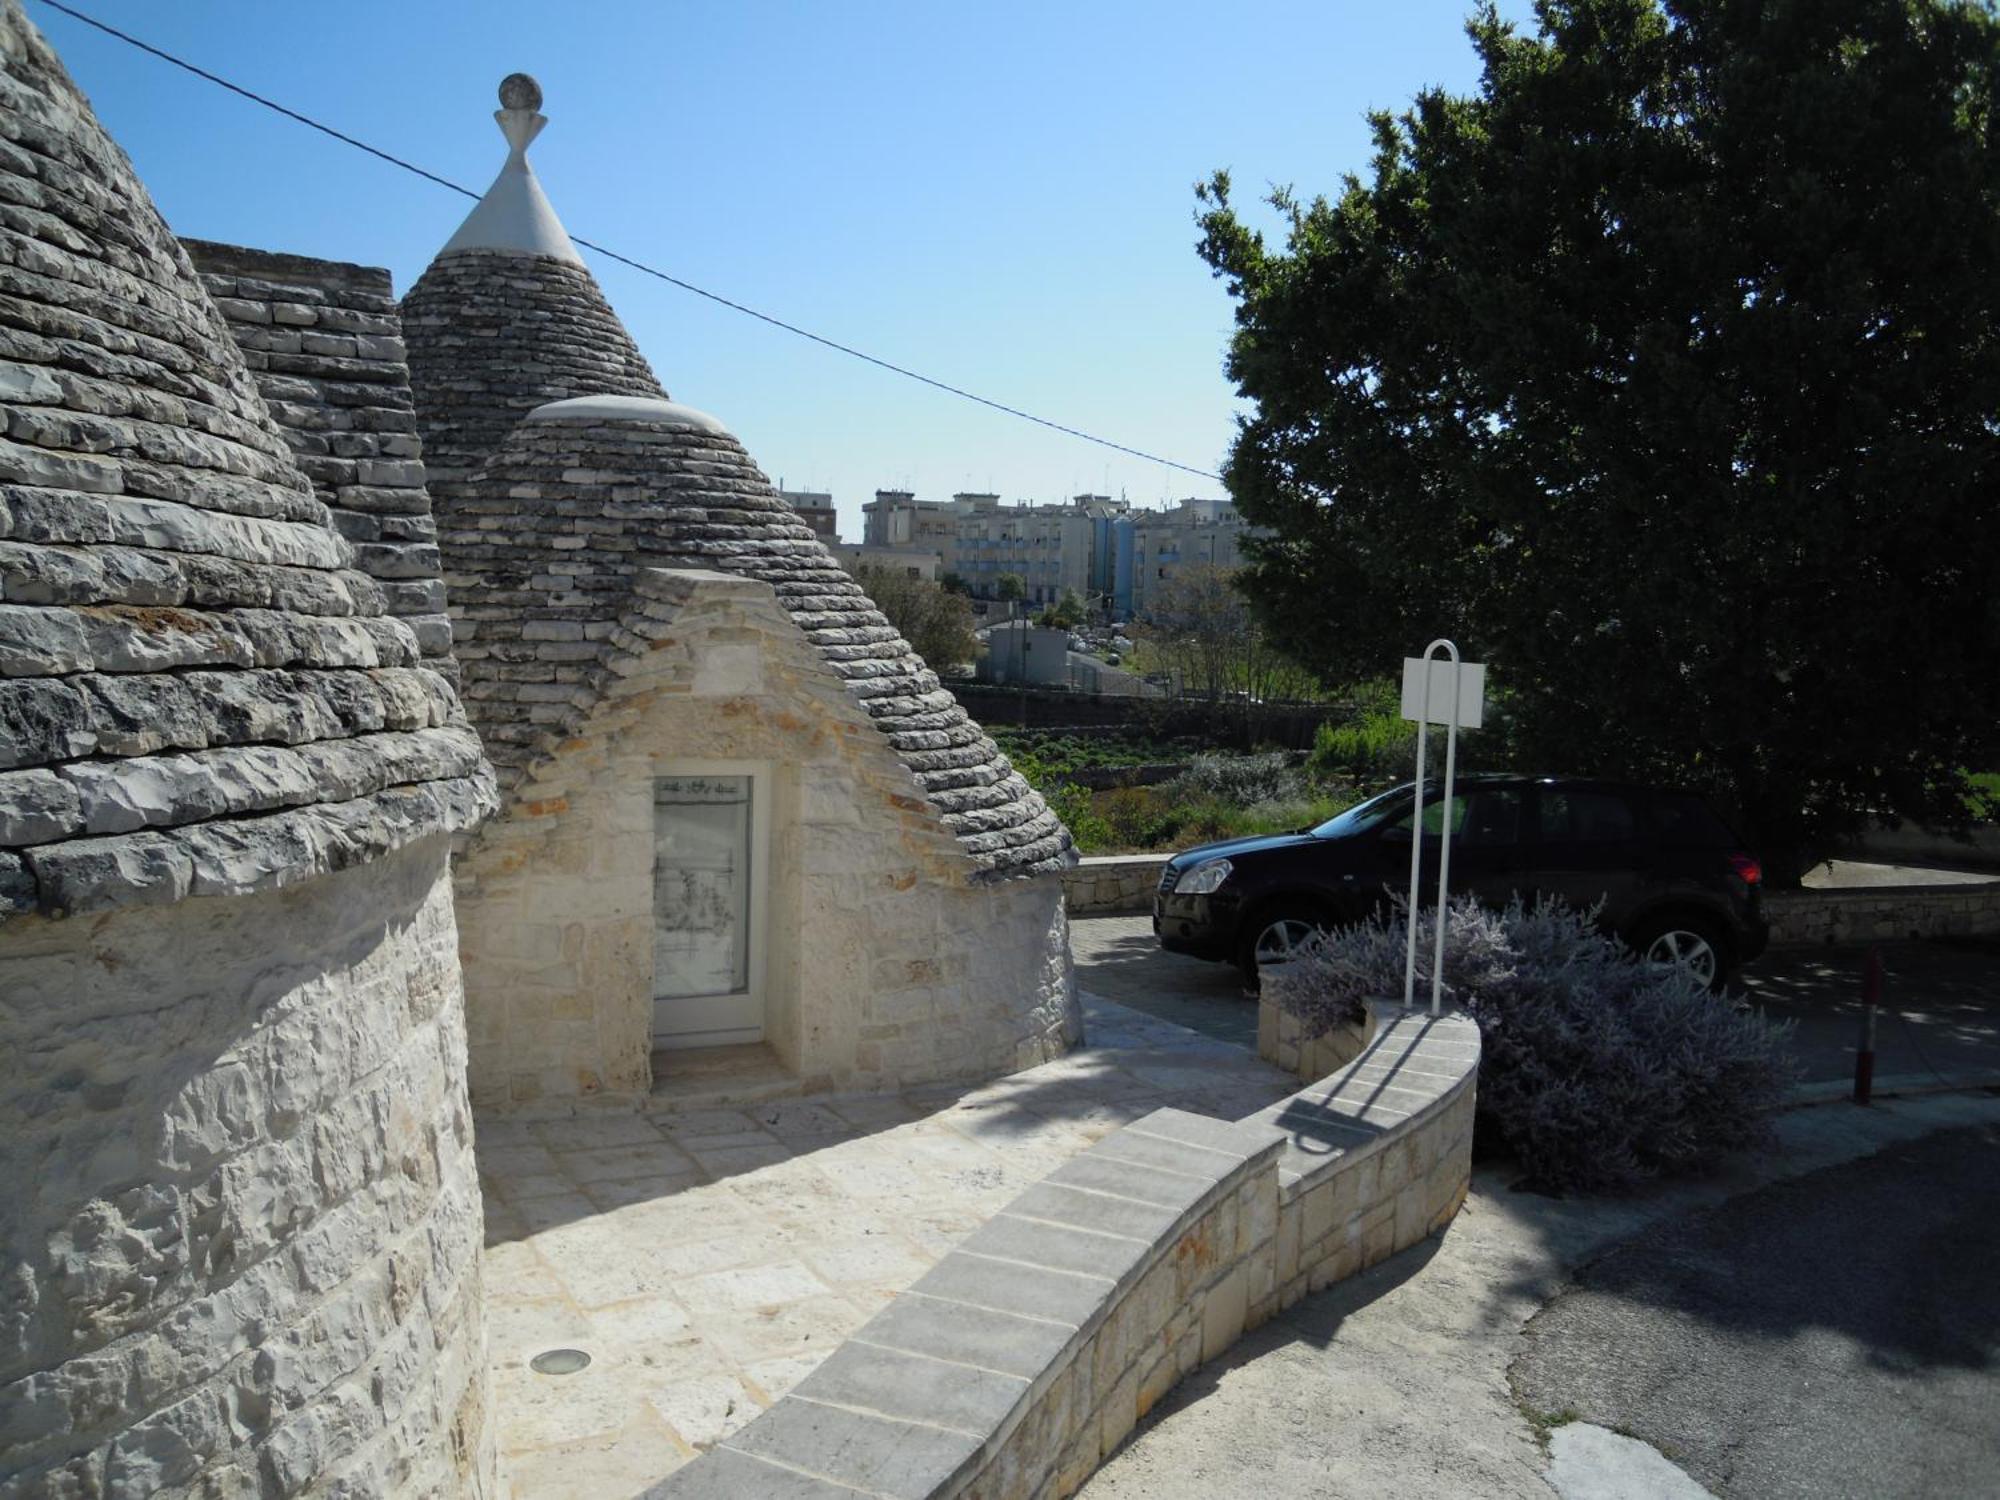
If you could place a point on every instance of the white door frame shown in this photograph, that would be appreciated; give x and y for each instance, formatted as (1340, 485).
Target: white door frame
(725, 1020)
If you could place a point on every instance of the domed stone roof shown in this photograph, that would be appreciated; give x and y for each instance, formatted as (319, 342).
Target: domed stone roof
(543, 547)
(199, 692)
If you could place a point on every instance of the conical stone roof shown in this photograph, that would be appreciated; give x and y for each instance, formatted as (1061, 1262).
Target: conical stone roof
(199, 693)
(547, 519)
(544, 549)
(507, 317)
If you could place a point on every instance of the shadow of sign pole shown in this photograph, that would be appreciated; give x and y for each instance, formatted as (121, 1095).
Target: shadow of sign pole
(1864, 1056)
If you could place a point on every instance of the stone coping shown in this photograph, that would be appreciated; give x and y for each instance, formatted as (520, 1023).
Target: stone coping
(1028, 1353)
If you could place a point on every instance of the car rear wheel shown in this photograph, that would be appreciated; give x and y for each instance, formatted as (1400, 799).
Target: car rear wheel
(1690, 943)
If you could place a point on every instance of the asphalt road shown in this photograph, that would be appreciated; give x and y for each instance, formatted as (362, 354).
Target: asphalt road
(1837, 1334)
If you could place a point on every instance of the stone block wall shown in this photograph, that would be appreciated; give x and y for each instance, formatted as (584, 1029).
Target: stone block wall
(1113, 884)
(242, 1222)
(1027, 1355)
(1883, 913)
(887, 962)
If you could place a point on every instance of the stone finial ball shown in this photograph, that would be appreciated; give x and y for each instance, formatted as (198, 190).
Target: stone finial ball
(519, 91)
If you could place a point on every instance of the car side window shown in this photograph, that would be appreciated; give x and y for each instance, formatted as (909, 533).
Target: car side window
(1578, 817)
(1492, 819)
(1487, 818)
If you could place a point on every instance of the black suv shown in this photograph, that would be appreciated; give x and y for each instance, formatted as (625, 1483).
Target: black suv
(1676, 882)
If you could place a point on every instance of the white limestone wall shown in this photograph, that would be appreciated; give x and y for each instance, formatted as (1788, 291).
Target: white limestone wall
(241, 1217)
(885, 963)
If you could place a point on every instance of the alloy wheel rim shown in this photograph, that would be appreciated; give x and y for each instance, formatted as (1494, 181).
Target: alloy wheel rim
(1282, 940)
(1683, 949)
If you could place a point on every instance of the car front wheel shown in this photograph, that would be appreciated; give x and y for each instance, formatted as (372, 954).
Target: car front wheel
(1276, 937)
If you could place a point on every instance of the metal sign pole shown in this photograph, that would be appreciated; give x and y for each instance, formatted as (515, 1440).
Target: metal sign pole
(1416, 852)
(1463, 712)
(1444, 816)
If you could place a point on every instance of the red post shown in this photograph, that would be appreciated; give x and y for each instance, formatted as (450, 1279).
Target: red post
(1871, 996)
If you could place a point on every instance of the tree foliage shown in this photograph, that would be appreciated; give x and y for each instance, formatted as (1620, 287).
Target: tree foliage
(1065, 614)
(1663, 372)
(1010, 587)
(934, 619)
(1202, 630)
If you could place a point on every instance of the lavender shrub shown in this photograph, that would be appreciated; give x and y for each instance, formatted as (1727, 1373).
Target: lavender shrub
(1598, 1070)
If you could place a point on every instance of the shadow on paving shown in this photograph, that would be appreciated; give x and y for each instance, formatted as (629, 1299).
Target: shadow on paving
(1940, 1014)
(540, 1174)
(1838, 1333)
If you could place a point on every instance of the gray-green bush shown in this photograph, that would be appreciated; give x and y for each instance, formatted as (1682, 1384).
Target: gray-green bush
(1240, 779)
(1598, 1070)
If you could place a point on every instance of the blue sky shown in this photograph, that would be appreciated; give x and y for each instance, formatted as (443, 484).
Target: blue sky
(997, 195)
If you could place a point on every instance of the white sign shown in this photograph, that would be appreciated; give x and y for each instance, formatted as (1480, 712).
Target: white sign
(1471, 678)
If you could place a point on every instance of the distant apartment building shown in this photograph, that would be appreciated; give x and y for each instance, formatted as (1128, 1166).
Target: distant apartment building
(1153, 548)
(898, 519)
(1115, 559)
(904, 560)
(1050, 547)
(815, 508)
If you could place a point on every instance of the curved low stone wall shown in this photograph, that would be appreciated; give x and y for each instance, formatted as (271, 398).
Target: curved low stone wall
(1027, 1354)
(241, 1219)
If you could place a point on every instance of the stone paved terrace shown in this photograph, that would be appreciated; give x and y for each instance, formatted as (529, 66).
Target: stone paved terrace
(707, 1261)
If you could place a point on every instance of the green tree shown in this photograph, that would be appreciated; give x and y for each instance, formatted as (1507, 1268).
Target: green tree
(1065, 614)
(929, 616)
(1010, 587)
(1663, 372)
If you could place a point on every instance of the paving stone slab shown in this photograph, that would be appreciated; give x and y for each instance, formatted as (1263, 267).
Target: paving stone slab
(1009, 1343)
(726, 1474)
(873, 1454)
(914, 1387)
(1106, 1213)
(1059, 1247)
(1005, 1287)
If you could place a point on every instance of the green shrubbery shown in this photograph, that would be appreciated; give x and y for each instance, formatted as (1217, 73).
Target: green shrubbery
(1598, 1070)
(1377, 744)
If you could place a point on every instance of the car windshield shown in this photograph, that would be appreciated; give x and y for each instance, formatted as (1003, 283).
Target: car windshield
(1393, 806)
(1365, 815)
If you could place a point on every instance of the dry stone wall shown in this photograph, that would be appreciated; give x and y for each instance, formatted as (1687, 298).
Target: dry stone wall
(242, 1221)
(325, 345)
(887, 963)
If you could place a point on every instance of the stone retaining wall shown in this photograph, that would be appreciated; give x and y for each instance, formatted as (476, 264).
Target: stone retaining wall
(1112, 885)
(1027, 1354)
(1874, 913)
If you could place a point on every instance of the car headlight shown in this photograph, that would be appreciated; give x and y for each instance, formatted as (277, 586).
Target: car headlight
(1203, 878)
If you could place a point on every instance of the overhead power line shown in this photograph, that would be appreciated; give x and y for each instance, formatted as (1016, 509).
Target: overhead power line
(625, 260)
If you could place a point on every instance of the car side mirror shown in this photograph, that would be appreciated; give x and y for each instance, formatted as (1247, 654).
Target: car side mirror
(1396, 835)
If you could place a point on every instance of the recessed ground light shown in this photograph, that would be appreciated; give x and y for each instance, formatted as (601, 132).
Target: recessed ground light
(559, 1361)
